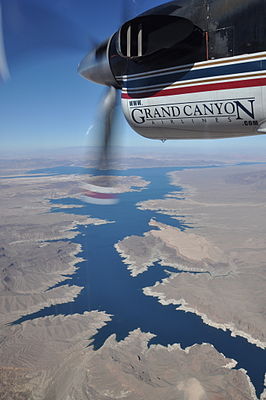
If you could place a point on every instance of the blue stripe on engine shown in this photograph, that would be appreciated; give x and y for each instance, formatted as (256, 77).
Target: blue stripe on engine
(196, 74)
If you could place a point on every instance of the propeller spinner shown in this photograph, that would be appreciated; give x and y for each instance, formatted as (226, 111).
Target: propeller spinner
(95, 66)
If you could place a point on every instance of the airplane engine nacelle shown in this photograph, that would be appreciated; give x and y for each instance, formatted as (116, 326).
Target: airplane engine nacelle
(186, 72)
(174, 87)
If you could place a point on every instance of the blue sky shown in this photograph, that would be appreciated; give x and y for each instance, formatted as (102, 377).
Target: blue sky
(46, 104)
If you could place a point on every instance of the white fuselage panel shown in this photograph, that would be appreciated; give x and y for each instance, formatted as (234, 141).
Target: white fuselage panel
(213, 99)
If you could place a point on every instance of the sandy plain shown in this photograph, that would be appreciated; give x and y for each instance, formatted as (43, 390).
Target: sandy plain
(49, 358)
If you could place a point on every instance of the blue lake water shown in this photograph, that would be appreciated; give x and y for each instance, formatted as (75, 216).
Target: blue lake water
(109, 287)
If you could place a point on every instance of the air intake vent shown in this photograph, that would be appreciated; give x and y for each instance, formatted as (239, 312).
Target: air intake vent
(146, 35)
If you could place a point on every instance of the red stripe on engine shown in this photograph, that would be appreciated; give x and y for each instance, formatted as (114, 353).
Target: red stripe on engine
(200, 88)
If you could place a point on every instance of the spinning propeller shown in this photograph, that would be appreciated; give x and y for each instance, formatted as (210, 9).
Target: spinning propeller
(95, 67)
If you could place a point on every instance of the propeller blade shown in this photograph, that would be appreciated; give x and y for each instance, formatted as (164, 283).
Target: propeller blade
(31, 26)
(108, 113)
(126, 10)
(4, 70)
(101, 188)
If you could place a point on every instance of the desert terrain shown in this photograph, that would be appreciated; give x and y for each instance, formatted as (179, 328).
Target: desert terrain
(51, 358)
(225, 207)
